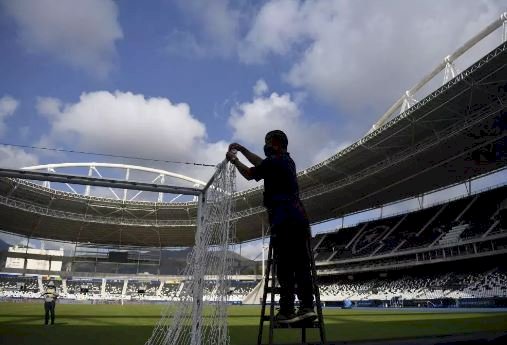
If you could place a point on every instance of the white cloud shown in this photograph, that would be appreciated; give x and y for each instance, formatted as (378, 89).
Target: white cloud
(80, 33)
(12, 157)
(358, 56)
(260, 87)
(48, 106)
(15, 158)
(124, 123)
(252, 120)
(274, 30)
(8, 106)
(219, 29)
(309, 142)
(363, 55)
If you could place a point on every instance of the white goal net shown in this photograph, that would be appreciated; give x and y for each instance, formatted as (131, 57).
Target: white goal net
(200, 314)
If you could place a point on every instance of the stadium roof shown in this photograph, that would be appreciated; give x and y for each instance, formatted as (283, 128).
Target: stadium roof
(456, 133)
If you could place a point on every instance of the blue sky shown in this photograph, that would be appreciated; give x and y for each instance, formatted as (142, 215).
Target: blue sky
(139, 53)
(179, 80)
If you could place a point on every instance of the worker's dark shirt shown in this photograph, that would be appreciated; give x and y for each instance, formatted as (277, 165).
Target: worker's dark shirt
(281, 190)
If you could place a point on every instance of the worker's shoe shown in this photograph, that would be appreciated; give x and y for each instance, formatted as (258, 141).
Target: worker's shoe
(285, 317)
(305, 314)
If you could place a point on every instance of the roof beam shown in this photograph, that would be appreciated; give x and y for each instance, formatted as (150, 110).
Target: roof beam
(94, 181)
(448, 60)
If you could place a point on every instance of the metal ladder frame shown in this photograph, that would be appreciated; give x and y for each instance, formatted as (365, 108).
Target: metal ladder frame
(274, 290)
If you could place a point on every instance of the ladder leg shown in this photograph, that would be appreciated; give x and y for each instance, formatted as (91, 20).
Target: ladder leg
(264, 295)
(322, 330)
(272, 307)
(271, 270)
(316, 292)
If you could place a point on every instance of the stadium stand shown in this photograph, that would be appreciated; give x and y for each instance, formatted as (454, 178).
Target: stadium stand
(447, 254)
(17, 282)
(170, 290)
(148, 288)
(424, 286)
(56, 282)
(475, 216)
(17, 286)
(109, 288)
(409, 259)
(239, 289)
(482, 214)
(92, 286)
(114, 287)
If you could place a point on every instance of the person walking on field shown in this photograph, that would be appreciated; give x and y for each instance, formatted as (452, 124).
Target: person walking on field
(50, 296)
(290, 228)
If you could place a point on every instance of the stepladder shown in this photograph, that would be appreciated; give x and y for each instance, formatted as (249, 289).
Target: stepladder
(272, 289)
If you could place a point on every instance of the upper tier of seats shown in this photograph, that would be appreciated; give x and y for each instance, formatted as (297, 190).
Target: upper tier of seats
(470, 217)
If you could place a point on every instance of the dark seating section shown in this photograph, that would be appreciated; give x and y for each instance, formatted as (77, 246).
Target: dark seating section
(395, 239)
(9, 282)
(376, 235)
(421, 231)
(418, 229)
(114, 286)
(149, 287)
(209, 287)
(93, 285)
(481, 214)
(335, 242)
(170, 289)
(241, 288)
(56, 282)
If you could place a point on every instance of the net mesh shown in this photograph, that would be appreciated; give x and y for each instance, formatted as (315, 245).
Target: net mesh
(199, 315)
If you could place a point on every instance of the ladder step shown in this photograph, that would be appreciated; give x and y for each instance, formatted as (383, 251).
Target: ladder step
(276, 290)
(287, 326)
(300, 324)
(296, 325)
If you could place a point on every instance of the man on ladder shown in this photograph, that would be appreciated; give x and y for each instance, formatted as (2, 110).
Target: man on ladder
(290, 228)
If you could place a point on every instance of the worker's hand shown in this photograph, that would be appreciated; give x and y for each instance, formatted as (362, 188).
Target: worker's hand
(231, 157)
(236, 147)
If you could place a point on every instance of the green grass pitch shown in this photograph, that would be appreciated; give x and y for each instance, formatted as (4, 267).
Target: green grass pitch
(78, 324)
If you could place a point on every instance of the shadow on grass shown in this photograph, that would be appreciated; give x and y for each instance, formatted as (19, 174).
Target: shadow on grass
(65, 334)
(82, 316)
(74, 335)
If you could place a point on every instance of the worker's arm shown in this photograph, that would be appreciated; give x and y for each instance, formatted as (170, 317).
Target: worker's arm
(252, 157)
(242, 168)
